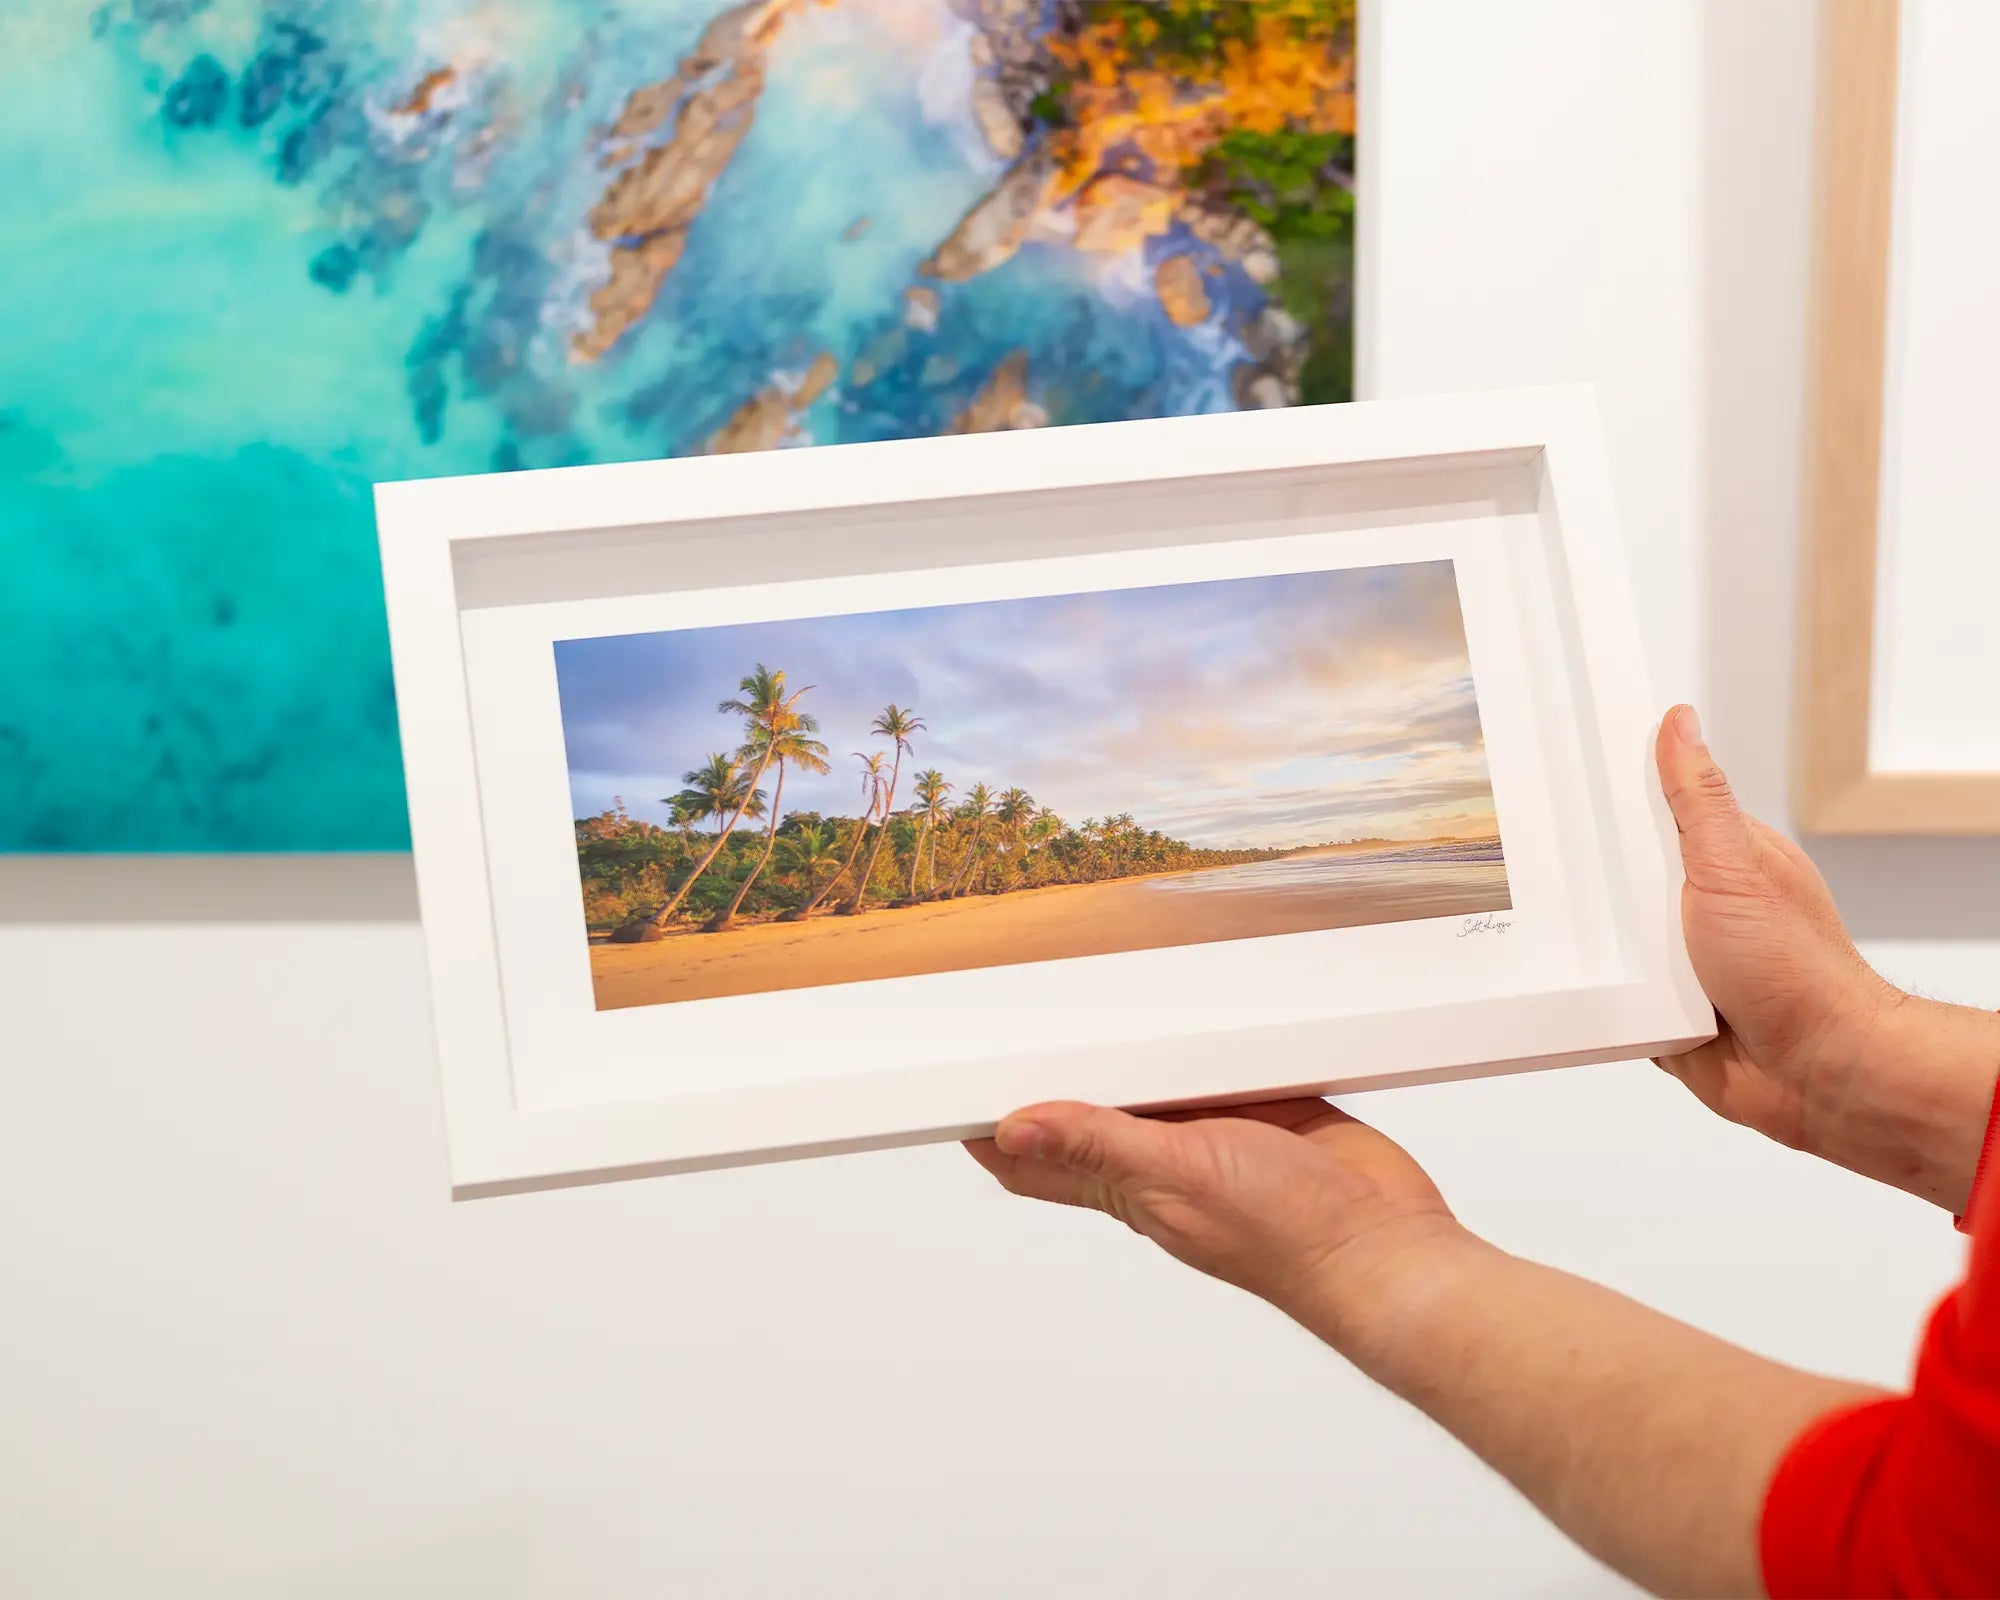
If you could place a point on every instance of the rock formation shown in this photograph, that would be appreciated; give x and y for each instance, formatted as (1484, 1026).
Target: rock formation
(998, 223)
(1177, 281)
(1002, 401)
(648, 208)
(764, 421)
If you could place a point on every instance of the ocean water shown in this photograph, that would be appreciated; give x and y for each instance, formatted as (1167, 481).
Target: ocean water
(1421, 872)
(236, 290)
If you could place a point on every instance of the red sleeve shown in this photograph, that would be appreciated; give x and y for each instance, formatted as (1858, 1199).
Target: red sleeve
(1901, 1496)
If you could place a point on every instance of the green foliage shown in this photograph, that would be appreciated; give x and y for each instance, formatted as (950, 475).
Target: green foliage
(1294, 182)
(1182, 34)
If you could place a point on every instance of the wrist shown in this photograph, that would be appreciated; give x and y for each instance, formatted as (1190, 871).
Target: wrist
(1912, 1107)
(1370, 1290)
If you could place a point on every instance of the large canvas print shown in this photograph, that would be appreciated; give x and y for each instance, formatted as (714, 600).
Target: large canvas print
(781, 805)
(259, 254)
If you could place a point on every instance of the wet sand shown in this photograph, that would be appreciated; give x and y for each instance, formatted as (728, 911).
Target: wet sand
(1028, 925)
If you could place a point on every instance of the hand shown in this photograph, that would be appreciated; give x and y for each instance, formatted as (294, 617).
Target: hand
(1277, 1198)
(1815, 1050)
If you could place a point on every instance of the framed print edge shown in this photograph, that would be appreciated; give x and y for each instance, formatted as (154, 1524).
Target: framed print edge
(1838, 790)
(497, 1146)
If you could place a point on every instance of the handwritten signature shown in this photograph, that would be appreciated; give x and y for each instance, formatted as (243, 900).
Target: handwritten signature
(1483, 924)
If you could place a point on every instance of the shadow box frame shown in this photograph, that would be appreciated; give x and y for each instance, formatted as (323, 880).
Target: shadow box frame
(1598, 969)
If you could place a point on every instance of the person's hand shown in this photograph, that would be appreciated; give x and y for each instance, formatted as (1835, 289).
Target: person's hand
(1793, 995)
(1815, 1049)
(1279, 1198)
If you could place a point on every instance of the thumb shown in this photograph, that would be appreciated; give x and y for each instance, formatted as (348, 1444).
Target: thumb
(1113, 1146)
(1717, 851)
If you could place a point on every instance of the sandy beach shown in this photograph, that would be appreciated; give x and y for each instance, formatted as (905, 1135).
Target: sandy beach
(1037, 925)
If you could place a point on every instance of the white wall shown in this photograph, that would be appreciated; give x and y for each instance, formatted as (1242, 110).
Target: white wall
(247, 1347)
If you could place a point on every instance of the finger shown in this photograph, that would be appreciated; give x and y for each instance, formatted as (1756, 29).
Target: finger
(1037, 1180)
(1716, 848)
(1294, 1116)
(1115, 1146)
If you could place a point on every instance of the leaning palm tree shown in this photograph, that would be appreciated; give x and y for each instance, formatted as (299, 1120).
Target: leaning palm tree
(898, 725)
(719, 790)
(975, 808)
(872, 790)
(931, 790)
(762, 701)
(782, 735)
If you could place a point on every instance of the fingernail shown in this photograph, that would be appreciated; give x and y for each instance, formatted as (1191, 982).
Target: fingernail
(1022, 1138)
(1688, 726)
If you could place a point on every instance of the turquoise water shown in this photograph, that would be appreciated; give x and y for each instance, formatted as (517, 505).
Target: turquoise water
(235, 292)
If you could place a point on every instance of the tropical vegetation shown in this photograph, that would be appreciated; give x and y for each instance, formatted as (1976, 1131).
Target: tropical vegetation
(714, 866)
(1249, 106)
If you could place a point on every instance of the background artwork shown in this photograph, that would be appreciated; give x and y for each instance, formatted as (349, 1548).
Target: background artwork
(260, 254)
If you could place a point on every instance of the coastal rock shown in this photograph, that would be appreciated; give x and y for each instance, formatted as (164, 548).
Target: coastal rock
(637, 271)
(997, 224)
(1233, 235)
(998, 124)
(1002, 402)
(1279, 345)
(648, 207)
(818, 379)
(760, 423)
(1116, 212)
(920, 307)
(1177, 280)
(1278, 341)
(764, 421)
(1257, 390)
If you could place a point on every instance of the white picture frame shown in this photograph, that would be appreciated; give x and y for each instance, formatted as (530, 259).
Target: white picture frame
(540, 1089)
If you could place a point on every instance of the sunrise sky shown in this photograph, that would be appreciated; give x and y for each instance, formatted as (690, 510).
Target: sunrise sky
(1270, 711)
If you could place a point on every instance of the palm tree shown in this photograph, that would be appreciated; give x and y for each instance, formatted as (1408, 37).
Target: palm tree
(782, 734)
(1044, 828)
(974, 808)
(808, 850)
(762, 699)
(714, 791)
(931, 790)
(871, 796)
(718, 789)
(898, 725)
(1013, 811)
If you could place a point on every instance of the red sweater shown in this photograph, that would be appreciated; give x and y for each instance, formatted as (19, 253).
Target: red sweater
(1901, 1496)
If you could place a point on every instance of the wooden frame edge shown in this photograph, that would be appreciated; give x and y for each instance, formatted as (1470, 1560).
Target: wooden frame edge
(1838, 792)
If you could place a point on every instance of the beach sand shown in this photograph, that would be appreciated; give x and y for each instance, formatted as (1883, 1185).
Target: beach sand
(1000, 930)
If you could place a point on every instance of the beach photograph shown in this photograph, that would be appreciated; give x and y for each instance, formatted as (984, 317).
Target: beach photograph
(838, 799)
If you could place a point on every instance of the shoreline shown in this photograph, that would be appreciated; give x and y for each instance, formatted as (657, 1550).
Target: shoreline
(1051, 923)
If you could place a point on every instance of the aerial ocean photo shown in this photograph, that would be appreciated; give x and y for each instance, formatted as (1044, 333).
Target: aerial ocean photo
(261, 254)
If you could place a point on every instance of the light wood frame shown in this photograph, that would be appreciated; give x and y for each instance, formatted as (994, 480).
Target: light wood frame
(1838, 791)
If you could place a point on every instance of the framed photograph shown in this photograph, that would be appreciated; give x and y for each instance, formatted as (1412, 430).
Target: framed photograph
(850, 797)
(1898, 653)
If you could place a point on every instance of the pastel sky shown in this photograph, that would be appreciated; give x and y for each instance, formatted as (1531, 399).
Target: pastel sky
(1269, 711)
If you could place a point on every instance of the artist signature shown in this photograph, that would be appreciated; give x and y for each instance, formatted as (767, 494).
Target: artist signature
(1483, 924)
